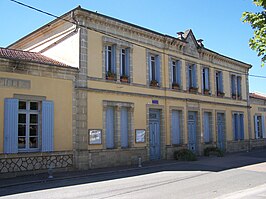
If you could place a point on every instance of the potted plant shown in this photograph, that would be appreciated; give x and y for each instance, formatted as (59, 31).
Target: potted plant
(234, 96)
(175, 85)
(110, 75)
(154, 83)
(124, 78)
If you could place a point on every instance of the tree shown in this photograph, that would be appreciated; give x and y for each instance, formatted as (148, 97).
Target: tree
(258, 24)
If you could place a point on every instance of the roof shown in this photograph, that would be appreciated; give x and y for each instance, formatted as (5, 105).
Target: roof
(29, 56)
(258, 95)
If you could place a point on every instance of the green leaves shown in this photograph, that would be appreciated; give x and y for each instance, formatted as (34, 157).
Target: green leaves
(258, 23)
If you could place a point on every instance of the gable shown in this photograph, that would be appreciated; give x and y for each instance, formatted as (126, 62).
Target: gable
(192, 47)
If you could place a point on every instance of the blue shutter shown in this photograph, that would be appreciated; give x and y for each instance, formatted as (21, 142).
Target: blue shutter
(206, 127)
(114, 59)
(47, 126)
(241, 128)
(11, 126)
(158, 63)
(256, 126)
(175, 127)
(178, 76)
(233, 86)
(239, 85)
(187, 75)
(110, 127)
(235, 126)
(128, 62)
(221, 86)
(171, 70)
(206, 74)
(124, 127)
(263, 126)
(149, 65)
(194, 76)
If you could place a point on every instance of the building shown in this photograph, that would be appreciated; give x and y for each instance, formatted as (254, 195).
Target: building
(140, 93)
(33, 131)
(257, 120)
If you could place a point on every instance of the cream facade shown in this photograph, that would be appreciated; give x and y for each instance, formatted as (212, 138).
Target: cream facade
(142, 94)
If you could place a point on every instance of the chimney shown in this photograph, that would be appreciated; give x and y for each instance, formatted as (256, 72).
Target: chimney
(180, 35)
(200, 42)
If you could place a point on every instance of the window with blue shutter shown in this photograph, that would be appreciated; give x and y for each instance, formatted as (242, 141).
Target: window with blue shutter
(110, 61)
(47, 126)
(11, 126)
(205, 79)
(256, 126)
(176, 73)
(176, 130)
(194, 76)
(238, 126)
(154, 69)
(125, 64)
(124, 127)
(110, 127)
(233, 85)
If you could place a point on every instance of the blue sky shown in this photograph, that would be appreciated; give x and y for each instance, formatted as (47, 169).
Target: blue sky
(217, 22)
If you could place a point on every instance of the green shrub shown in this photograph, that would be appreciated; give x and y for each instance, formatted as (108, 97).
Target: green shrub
(213, 151)
(185, 155)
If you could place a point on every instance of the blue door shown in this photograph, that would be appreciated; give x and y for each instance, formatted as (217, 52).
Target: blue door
(192, 138)
(220, 131)
(154, 127)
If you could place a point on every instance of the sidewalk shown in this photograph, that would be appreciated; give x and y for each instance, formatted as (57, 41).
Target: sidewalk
(214, 164)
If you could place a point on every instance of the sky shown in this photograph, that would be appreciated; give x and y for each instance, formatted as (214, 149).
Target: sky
(217, 22)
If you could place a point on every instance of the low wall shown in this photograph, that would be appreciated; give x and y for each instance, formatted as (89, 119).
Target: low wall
(237, 146)
(116, 157)
(25, 162)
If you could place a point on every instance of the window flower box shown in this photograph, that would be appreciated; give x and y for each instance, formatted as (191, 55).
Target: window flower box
(220, 94)
(110, 75)
(124, 78)
(175, 86)
(193, 89)
(234, 96)
(154, 83)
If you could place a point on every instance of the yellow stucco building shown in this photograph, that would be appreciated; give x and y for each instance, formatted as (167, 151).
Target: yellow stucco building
(137, 93)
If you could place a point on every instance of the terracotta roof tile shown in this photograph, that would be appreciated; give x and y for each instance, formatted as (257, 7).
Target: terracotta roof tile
(258, 95)
(28, 56)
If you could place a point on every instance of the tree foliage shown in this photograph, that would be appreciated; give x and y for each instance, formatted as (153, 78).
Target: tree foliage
(258, 24)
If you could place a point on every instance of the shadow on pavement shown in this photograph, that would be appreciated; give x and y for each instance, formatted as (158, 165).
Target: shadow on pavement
(25, 184)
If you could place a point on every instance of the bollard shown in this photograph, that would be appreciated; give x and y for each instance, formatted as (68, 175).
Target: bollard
(50, 172)
(140, 162)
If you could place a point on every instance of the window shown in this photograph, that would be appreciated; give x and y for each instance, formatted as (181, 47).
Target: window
(236, 87)
(233, 86)
(176, 130)
(238, 126)
(259, 126)
(205, 81)
(207, 127)
(154, 68)
(176, 73)
(124, 64)
(192, 76)
(110, 61)
(26, 123)
(219, 83)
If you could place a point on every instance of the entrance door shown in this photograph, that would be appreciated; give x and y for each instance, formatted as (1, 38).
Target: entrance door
(192, 130)
(154, 126)
(220, 131)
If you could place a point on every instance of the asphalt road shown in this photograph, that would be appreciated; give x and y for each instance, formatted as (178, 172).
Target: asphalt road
(233, 176)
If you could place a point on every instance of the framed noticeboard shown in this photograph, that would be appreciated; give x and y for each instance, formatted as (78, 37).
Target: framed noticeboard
(95, 136)
(140, 135)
